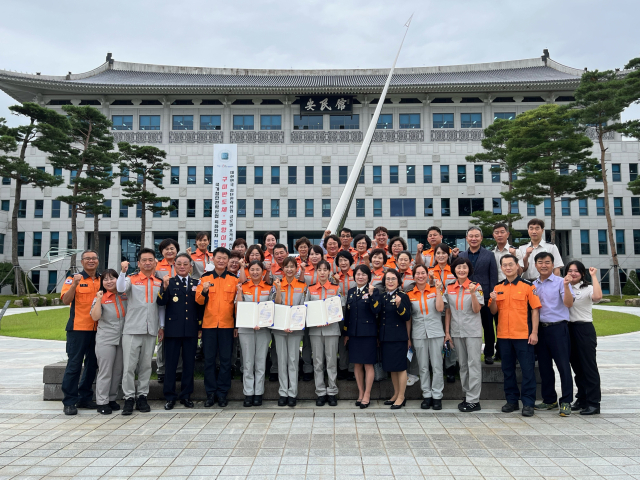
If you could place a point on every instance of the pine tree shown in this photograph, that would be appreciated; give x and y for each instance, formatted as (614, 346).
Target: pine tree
(487, 220)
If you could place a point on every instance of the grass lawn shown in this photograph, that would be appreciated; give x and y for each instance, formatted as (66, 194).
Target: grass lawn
(50, 324)
(616, 300)
(25, 299)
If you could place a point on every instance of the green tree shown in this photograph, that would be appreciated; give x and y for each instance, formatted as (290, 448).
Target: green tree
(45, 130)
(486, 221)
(144, 164)
(546, 141)
(89, 153)
(632, 287)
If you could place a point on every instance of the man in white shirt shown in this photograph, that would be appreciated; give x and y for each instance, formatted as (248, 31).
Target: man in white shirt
(502, 248)
(535, 228)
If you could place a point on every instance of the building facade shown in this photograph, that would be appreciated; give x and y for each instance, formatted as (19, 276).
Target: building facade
(298, 133)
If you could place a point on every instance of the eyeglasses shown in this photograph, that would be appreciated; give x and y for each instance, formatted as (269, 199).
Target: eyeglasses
(90, 259)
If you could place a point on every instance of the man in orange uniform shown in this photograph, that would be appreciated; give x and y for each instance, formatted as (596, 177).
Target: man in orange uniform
(518, 306)
(217, 291)
(79, 292)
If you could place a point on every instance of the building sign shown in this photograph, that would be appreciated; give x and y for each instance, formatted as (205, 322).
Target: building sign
(225, 181)
(332, 105)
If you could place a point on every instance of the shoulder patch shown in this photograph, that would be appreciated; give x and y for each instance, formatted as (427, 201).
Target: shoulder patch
(534, 291)
(68, 281)
(527, 282)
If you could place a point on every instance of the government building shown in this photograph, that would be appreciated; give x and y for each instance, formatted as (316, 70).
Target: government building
(298, 133)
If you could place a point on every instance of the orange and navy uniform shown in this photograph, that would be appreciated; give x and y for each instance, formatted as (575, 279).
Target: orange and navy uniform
(79, 318)
(256, 293)
(219, 302)
(515, 300)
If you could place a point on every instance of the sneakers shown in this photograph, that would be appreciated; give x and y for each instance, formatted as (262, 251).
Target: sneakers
(565, 409)
(128, 406)
(104, 409)
(527, 411)
(412, 379)
(427, 403)
(470, 407)
(142, 405)
(547, 406)
(437, 404)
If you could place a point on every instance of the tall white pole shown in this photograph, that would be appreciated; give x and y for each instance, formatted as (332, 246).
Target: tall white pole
(342, 209)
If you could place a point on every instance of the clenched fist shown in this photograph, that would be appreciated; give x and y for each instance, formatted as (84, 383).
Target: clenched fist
(76, 279)
(124, 267)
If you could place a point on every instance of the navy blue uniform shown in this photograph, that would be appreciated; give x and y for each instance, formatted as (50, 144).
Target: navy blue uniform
(393, 333)
(361, 325)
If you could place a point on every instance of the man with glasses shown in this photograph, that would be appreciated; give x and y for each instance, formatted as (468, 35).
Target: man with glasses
(79, 291)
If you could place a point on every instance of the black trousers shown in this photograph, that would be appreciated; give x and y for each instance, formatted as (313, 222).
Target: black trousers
(495, 320)
(489, 332)
(217, 341)
(519, 349)
(172, 348)
(81, 348)
(554, 346)
(583, 361)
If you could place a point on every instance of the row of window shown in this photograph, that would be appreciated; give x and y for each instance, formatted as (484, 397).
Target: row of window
(603, 242)
(36, 244)
(52, 280)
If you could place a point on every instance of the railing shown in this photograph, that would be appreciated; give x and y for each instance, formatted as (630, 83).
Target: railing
(332, 136)
(451, 135)
(592, 133)
(410, 135)
(262, 136)
(137, 137)
(207, 136)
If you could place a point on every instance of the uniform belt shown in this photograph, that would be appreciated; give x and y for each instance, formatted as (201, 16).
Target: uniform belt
(551, 324)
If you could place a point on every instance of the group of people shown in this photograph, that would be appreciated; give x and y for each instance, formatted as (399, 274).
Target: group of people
(415, 317)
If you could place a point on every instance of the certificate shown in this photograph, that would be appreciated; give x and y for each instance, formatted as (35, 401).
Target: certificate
(289, 317)
(251, 315)
(324, 312)
(298, 317)
(334, 309)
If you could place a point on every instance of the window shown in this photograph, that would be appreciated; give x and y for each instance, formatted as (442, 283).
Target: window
(635, 205)
(471, 120)
(122, 122)
(402, 207)
(444, 173)
(504, 115)
(361, 179)
(377, 207)
(210, 122)
(620, 247)
(157, 214)
(604, 281)
(360, 209)
(41, 169)
(191, 208)
(293, 175)
(344, 122)
(35, 278)
(292, 204)
(37, 244)
(466, 206)
(445, 207)
(617, 205)
(70, 210)
(307, 122)
(242, 207)
(600, 207)
(124, 175)
(175, 213)
(427, 174)
(124, 210)
(615, 172)
(1, 243)
(149, 122)
(243, 122)
(308, 207)
(462, 173)
(270, 122)
(275, 207)
(515, 207)
(107, 214)
(478, 174)
(409, 120)
(633, 171)
(343, 175)
(5, 205)
(564, 170)
(52, 282)
(411, 174)
(495, 174)
(326, 175)
(377, 174)
(258, 175)
(182, 122)
(602, 242)
(175, 175)
(72, 175)
(38, 210)
(583, 207)
(275, 175)
(257, 207)
(531, 210)
(7, 180)
(207, 208)
(585, 246)
(385, 121)
(69, 240)
(21, 244)
(54, 239)
(242, 175)
(22, 209)
(497, 205)
(208, 175)
(547, 207)
(191, 175)
(428, 207)
(326, 207)
(443, 120)
(636, 242)
(565, 204)
(393, 174)
(308, 175)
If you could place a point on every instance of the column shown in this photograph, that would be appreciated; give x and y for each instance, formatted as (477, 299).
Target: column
(226, 120)
(182, 240)
(115, 253)
(249, 237)
(282, 237)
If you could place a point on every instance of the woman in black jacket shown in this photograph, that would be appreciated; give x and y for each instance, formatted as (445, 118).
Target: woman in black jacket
(395, 325)
(361, 326)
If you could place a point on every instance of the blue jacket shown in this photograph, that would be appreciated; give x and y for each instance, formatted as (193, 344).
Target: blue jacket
(181, 315)
(361, 317)
(393, 326)
(485, 271)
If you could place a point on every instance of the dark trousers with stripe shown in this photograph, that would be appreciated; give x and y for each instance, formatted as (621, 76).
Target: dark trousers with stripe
(554, 346)
(583, 361)
(173, 347)
(81, 348)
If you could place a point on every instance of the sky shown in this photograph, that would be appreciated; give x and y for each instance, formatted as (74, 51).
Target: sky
(72, 36)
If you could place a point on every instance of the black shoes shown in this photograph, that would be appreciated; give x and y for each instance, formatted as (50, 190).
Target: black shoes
(591, 410)
(210, 401)
(365, 405)
(437, 404)
(115, 406)
(575, 406)
(398, 407)
(488, 360)
(510, 407)
(333, 401)
(187, 402)
(90, 405)
(273, 377)
(451, 379)
(469, 407)
(282, 401)
(160, 378)
(223, 402)
(169, 405)
(248, 401)
(128, 406)
(321, 401)
(358, 402)
(527, 411)
(291, 401)
(142, 405)
(389, 402)
(257, 400)
(70, 410)
(104, 409)
(307, 377)
(427, 403)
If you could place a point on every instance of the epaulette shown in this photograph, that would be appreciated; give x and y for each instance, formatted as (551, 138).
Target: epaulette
(528, 282)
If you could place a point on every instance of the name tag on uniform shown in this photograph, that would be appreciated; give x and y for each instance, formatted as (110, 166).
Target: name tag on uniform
(84, 284)
(265, 292)
(297, 290)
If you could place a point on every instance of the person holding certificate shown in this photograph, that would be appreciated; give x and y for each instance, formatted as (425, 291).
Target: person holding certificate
(395, 326)
(361, 328)
(254, 342)
(324, 339)
(289, 291)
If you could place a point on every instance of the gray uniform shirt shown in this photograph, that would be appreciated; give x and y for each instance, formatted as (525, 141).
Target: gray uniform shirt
(464, 322)
(142, 310)
(114, 307)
